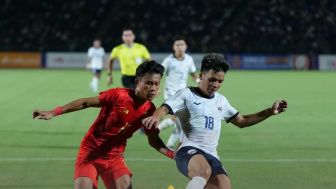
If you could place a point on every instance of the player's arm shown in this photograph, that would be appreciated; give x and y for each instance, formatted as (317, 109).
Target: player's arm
(109, 70)
(251, 119)
(75, 105)
(155, 141)
(146, 54)
(153, 121)
(195, 78)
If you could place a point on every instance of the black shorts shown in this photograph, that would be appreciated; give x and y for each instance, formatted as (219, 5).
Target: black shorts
(184, 154)
(96, 71)
(128, 81)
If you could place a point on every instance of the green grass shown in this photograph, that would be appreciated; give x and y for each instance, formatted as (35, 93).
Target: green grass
(296, 150)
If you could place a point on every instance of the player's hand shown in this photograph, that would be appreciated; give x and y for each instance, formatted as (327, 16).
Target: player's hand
(109, 80)
(170, 153)
(150, 122)
(46, 115)
(279, 106)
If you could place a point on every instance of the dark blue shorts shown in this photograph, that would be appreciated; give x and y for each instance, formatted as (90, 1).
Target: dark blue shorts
(96, 71)
(184, 154)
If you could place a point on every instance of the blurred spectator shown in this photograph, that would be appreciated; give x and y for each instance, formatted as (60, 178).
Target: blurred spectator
(236, 26)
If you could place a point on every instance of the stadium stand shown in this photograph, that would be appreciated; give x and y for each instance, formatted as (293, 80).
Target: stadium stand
(231, 26)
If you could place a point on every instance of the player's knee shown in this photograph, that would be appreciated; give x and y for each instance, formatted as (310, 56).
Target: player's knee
(124, 184)
(204, 172)
(83, 183)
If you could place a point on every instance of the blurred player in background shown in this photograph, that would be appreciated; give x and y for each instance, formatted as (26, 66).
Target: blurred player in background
(177, 68)
(130, 55)
(200, 111)
(96, 63)
(101, 151)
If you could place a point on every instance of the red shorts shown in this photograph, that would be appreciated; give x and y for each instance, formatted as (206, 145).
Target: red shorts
(109, 169)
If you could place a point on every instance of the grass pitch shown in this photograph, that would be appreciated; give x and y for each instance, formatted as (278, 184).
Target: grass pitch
(296, 150)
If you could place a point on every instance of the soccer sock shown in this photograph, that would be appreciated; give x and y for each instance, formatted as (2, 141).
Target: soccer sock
(173, 138)
(165, 123)
(94, 84)
(196, 183)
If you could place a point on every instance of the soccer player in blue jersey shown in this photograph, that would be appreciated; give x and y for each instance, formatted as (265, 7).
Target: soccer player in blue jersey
(200, 111)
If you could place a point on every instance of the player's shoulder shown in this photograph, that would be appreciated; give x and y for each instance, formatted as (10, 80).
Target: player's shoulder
(169, 57)
(221, 97)
(118, 47)
(151, 106)
(185, 91)
(188, 56)
(117, 91)
(139, 46)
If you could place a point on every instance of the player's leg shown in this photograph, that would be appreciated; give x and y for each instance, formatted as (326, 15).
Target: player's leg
(173, 137)
(219, 178)
(95, 80)
(219, 182)
(116, 174)
(86, 176)
(166, 123)
(199, 172)
(191, 162)
(84, 183)
(123, 182)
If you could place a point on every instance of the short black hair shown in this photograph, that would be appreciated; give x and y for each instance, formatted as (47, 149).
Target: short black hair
(127, 29)
(149, 67)
(178, 38)
(215, 62)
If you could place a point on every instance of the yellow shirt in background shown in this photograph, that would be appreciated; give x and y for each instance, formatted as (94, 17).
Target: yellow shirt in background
(130, 57)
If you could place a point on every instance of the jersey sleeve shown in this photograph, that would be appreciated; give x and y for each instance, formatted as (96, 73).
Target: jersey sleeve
(165, 63)
(192, 68)
(114, 52)
(228, 111)
(145, 53)
(89, 53)
(108, 97)
(177, 101)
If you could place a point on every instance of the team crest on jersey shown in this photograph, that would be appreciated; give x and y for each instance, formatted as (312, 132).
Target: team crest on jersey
(220, 109)
(192, 151)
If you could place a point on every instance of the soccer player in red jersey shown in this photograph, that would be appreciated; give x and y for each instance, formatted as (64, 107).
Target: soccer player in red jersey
(101, 150)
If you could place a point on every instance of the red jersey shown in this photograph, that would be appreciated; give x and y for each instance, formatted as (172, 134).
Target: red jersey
(119, 118)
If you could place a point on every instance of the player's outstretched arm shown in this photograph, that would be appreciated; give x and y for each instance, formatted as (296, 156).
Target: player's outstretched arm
(75, 105)
(155, 141)
(153, 121)
(242, 121)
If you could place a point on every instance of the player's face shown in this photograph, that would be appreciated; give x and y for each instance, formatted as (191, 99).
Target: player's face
(128, 36)
(148, 86)
(96, 43)
(211, 81)
(179, 47)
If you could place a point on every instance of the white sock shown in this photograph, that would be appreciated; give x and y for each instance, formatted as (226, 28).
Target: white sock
(196, 183)
(166, 123)
(173, 138)
(94, 84)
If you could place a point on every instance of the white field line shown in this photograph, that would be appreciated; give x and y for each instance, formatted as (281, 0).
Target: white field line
(275, 160)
